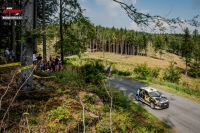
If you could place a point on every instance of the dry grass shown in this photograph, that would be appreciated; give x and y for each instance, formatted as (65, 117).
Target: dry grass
(128, 62)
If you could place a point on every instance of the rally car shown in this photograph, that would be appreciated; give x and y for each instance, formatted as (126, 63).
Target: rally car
(152, 97)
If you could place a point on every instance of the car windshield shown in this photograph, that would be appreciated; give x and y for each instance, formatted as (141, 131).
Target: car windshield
(155, 94)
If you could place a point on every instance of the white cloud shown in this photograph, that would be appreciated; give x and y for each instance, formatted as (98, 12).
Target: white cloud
(134, 1)
(111, 7)
(134, 26)
(152, 29)
(144, 11)
(109, 4)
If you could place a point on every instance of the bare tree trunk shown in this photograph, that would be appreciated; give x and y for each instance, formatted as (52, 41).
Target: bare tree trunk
(128, 49)
(93, 41)
(186, 67)
(96, 46)
(44, 31)
(35, 24)
(103, 53)
(125, 49)
(113, 46)
(109, 46)
(13, 35)
(122, 46)
(90, 45)
(61, 31)
(27, 46)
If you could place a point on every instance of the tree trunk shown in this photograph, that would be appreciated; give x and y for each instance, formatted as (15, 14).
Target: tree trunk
(122, 45)
(109, 46)
(35, 24)
(113, 46)
(61, 32)
(103, 52)
(13, 45)
(129, 49)
(90, 45)
(44, 32)
(186, 67)
(26, 78)
(133, 49)
(93, 45)
(125, 49)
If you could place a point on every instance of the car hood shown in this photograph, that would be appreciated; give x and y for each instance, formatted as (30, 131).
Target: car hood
(161, 99)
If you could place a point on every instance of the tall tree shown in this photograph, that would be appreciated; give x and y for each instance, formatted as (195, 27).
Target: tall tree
(27, 46)
(159, 45)
(196, 40)
(44, 31)
(70, 12)
(187, 49)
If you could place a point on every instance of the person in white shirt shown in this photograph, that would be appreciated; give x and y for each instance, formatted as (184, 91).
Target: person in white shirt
(35, 59)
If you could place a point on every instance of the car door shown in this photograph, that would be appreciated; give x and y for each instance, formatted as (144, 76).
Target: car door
(146, 96)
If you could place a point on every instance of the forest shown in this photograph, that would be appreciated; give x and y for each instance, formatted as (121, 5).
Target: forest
(78, 94)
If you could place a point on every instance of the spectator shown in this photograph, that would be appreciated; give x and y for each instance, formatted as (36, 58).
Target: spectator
(60, 65)
(13, 55)
(35, 59)
(39, 59)
(7, 53)
(53, 64)
(50, 58)
(56, 64)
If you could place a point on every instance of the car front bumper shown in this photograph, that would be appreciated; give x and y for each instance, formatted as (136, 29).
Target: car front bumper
(163, 105)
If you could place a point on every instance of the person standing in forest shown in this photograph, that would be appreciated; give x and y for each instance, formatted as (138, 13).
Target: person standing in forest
(56, 63)
(7, 54)
(35, 60)
(13, 55)
(39, 59)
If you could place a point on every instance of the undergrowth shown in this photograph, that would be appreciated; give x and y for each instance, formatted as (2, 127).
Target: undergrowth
(58, 108)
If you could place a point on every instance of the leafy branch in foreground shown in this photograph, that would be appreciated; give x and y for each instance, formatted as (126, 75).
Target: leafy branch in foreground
(144, 20)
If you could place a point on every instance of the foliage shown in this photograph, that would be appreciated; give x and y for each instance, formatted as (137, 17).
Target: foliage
(69, 77)
(142, 70)
(158, 44)
(194, 70)
(178, 88)
(171, 74)
(143, 20)
(31, 33)
(155, 72)
(187, 49)
(93, 73)
(120, 73)
(89, 99)
(119, 124)
(61, 113)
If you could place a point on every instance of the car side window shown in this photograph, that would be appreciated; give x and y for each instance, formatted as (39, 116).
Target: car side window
(146, 93)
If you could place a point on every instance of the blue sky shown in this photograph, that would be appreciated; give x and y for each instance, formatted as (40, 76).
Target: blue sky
(109, 13)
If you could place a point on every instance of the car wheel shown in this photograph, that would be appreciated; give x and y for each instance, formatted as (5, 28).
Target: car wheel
(152, 105)
(137, 98)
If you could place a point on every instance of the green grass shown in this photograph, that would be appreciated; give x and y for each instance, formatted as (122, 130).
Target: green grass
(187, 88)
(63, 110)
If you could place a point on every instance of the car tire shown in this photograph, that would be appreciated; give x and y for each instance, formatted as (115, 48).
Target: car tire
(152, 105)
(136, 98)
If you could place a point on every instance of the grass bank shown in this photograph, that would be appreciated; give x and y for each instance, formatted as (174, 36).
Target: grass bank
(124, 65)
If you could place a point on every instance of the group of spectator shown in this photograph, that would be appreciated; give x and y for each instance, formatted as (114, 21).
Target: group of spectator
(9, 55)
(52, 65)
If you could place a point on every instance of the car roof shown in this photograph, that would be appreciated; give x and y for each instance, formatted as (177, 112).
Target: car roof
(148, 89)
